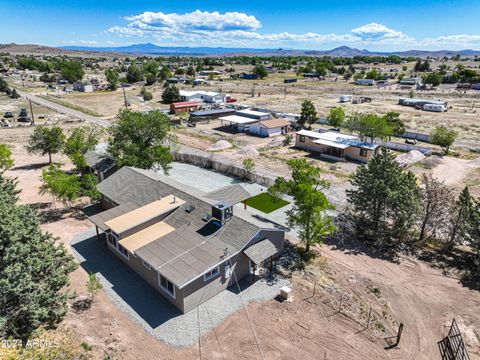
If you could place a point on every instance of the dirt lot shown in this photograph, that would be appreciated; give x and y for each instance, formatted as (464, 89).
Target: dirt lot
(409, 292)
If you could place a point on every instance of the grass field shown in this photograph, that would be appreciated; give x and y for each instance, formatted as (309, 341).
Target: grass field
(266, 203)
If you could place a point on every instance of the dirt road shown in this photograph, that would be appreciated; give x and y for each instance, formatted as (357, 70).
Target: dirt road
(64, 110)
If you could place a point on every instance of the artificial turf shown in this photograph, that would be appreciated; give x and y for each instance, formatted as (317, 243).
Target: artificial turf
(266, 202)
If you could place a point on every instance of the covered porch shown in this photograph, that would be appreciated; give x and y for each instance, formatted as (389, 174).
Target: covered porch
(261, 258)
(98, 216)
(331, 149)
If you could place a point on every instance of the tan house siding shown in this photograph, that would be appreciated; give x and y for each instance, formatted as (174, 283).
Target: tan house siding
(353, 153)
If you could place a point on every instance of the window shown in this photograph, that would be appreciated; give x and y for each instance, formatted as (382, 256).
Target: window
(211, 274)
(301, 138)
(123, 251)
(363, 152)
(147, 265)
(166, 285)
(112, 239)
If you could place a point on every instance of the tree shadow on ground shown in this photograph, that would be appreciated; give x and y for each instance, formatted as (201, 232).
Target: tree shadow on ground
(47, 214)
(459, 262)
(33, 166)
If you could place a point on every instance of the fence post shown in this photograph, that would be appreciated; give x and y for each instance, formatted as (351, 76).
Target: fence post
(341, 300)
(369, 315)
(314, 287)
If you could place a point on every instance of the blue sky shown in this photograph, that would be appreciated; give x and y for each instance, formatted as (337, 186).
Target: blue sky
(375, 25)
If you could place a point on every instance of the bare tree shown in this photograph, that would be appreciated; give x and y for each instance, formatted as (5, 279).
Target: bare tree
(436, 199)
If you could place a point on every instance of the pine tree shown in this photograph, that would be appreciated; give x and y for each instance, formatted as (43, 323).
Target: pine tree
(461, 214)
(385, 201)
(33, 271)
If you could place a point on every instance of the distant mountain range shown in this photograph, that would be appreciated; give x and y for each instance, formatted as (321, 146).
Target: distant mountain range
(152, 49)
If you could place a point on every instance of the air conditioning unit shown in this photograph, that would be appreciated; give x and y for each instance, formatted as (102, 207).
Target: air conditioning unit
(222, 211)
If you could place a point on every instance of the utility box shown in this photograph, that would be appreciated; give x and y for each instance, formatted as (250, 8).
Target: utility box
(286, 292)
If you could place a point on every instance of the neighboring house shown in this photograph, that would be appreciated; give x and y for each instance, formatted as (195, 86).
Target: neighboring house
(238, 123)
(258, 115)
(336, 146)
(411, 81)
(187, 244)
(211, 114)
(185, 106)
(100, 164)
(272, 127)
(205, 96)
(365, 82)
(420, 103)
(82, 87)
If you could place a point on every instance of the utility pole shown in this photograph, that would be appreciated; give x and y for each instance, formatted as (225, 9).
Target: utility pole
(31, 111)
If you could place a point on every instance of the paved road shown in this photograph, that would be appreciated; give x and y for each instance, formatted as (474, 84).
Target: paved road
(64, 110)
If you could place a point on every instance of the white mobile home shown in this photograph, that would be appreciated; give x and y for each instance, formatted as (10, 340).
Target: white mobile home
(345, 98)
(434, 107)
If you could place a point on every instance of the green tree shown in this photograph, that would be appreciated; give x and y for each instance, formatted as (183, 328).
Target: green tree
(60, 185)
(260, 71)
(93, 285)
(336, 116)
(308, 114)
(385, 201)
(112, 78)
(171, 94)
(444, 137)
(147, 96)
(191, 71)
(460, 220)
(72, 71)
(433, 79)
(33, 271)
(309, 212)
(151, 72)
(78, 142)
(6, 159)
(141, 140)
(134, 74)
(165, 73)
(474, 231)
(369, 125)
(249, 166)
(396, 125)
(45, 140)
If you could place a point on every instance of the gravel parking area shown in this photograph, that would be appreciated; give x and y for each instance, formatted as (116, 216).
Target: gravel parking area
(148, 308)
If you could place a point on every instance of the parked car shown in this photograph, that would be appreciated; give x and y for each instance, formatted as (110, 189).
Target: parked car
(23, 119)
(8, 114)
(23, 113)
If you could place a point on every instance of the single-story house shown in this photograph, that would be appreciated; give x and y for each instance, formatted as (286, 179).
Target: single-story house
(238, 123)
(365, 82)
(258, 115)
(183, 106)
(210, 114)
(419, 103)
(411, 81)
(272, 127)
(82, 87)
(336, 146)
(100, 164)
(206, 96)
(187, 244)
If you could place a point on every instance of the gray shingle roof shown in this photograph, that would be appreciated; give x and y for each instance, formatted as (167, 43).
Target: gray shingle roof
(232, 194)
(261, 251)
(99, 161)
(195, 246)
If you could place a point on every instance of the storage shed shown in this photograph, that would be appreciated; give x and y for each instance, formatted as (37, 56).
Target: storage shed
(185, 106)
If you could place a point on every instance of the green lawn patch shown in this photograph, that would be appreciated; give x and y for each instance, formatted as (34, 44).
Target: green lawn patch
(266, 202)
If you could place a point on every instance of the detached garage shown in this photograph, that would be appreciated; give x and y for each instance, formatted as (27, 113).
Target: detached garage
(271, 127)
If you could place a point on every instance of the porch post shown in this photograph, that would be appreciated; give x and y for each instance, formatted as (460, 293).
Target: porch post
(253, 272)
(98, 235)
(271, 264)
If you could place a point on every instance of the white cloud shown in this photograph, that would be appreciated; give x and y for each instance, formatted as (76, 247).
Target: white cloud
(236, 29)
(196, 20)
(79, 42)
